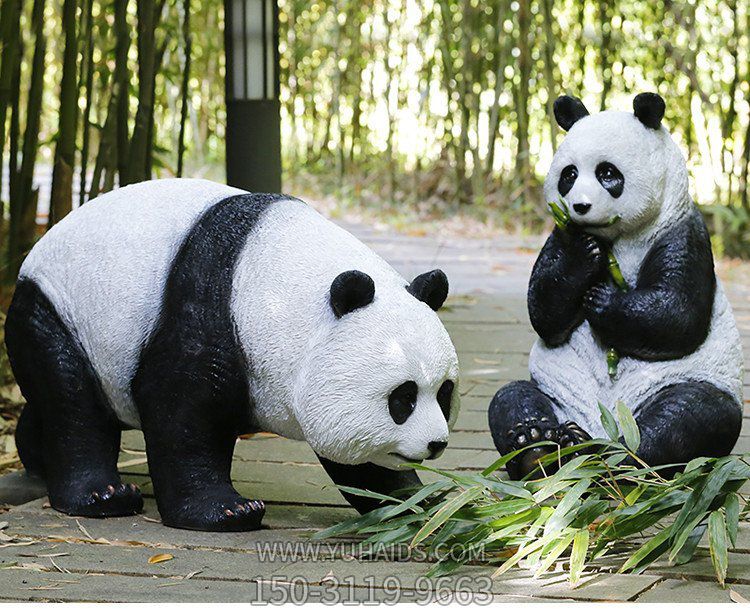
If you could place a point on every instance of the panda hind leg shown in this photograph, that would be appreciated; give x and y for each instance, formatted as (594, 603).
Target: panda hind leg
(66, 433)
(687, 420)
(520, 415)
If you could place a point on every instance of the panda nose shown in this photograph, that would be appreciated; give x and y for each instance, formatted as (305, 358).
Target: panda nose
(582, 208)
(436, 449)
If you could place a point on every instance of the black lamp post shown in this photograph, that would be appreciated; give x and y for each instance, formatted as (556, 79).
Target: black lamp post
(253, 137)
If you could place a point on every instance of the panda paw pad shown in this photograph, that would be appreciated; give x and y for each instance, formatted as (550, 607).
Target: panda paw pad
(530, 431)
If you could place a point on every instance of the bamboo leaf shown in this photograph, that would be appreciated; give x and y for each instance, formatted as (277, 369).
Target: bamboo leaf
(703, 494)
(629, 427)
(717, 544)
(609, 423)
(565, 511)
(446, 512)
(556, 549)
(412, 503)
(519, 556)
(578, 555)
(732, 509)
(687, 551)
(648, 552)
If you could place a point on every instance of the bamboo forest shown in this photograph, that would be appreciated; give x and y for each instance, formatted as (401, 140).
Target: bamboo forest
(444, 106)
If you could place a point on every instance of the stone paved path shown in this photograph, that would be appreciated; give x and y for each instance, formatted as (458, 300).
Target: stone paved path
(81, 559)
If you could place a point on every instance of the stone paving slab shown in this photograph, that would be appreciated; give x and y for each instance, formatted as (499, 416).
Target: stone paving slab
(93, 559)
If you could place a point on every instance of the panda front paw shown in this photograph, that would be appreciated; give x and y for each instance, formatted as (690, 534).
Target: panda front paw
(586, 258)
(598, 300)
(228, 514)
(533, 430)
(116, 499)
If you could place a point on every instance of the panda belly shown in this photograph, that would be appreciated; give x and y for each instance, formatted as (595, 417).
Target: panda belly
(575, 374)
(104, 268)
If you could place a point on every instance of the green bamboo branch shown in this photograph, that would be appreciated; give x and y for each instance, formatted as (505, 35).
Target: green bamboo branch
(568, 518)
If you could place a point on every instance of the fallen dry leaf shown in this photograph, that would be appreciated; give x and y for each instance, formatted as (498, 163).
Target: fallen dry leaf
(737, 597)
(157, 558)
(63, 539)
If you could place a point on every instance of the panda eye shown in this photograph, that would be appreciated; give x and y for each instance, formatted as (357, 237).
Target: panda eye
(402, 401)
(610, 178)
(444, 395)
(568, 177)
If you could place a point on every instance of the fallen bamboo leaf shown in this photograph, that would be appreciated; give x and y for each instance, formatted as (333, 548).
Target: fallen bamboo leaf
(157, 558)
(192, 574)
(58, 567)
(83, 529)
(17, 543)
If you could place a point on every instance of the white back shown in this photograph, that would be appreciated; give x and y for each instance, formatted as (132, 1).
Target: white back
(104, 267)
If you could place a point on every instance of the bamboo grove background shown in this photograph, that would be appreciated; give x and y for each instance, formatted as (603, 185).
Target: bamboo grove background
(443, 105)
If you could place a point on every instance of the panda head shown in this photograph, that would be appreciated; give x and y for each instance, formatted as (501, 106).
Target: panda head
(380, 384)
(618, 172)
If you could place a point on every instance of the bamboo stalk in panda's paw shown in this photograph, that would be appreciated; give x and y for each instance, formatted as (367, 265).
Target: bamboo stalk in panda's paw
(561, 216)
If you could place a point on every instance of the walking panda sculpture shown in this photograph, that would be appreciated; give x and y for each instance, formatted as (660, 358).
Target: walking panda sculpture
(681, 366)
(198, 312)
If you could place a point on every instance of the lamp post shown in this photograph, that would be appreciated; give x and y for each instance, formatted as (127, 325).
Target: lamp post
(253, 136)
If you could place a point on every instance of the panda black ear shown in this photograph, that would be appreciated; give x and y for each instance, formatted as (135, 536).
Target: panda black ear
(568, 111)
(351, 290)
(431, 288)
(649, 109)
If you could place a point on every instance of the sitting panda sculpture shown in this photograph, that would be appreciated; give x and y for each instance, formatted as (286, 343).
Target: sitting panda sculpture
(624, 182)
(198, 312)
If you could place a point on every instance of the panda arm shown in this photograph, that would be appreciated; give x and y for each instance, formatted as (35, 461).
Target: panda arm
(568, 265)
(668, 313)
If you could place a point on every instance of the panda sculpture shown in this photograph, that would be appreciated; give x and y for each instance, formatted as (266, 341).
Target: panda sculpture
(198, 312)
(625, 184)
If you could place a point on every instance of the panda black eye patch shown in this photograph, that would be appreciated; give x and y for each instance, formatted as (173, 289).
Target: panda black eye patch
(402, 401)
(568, 177)
(444, 395)
(610, 178)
